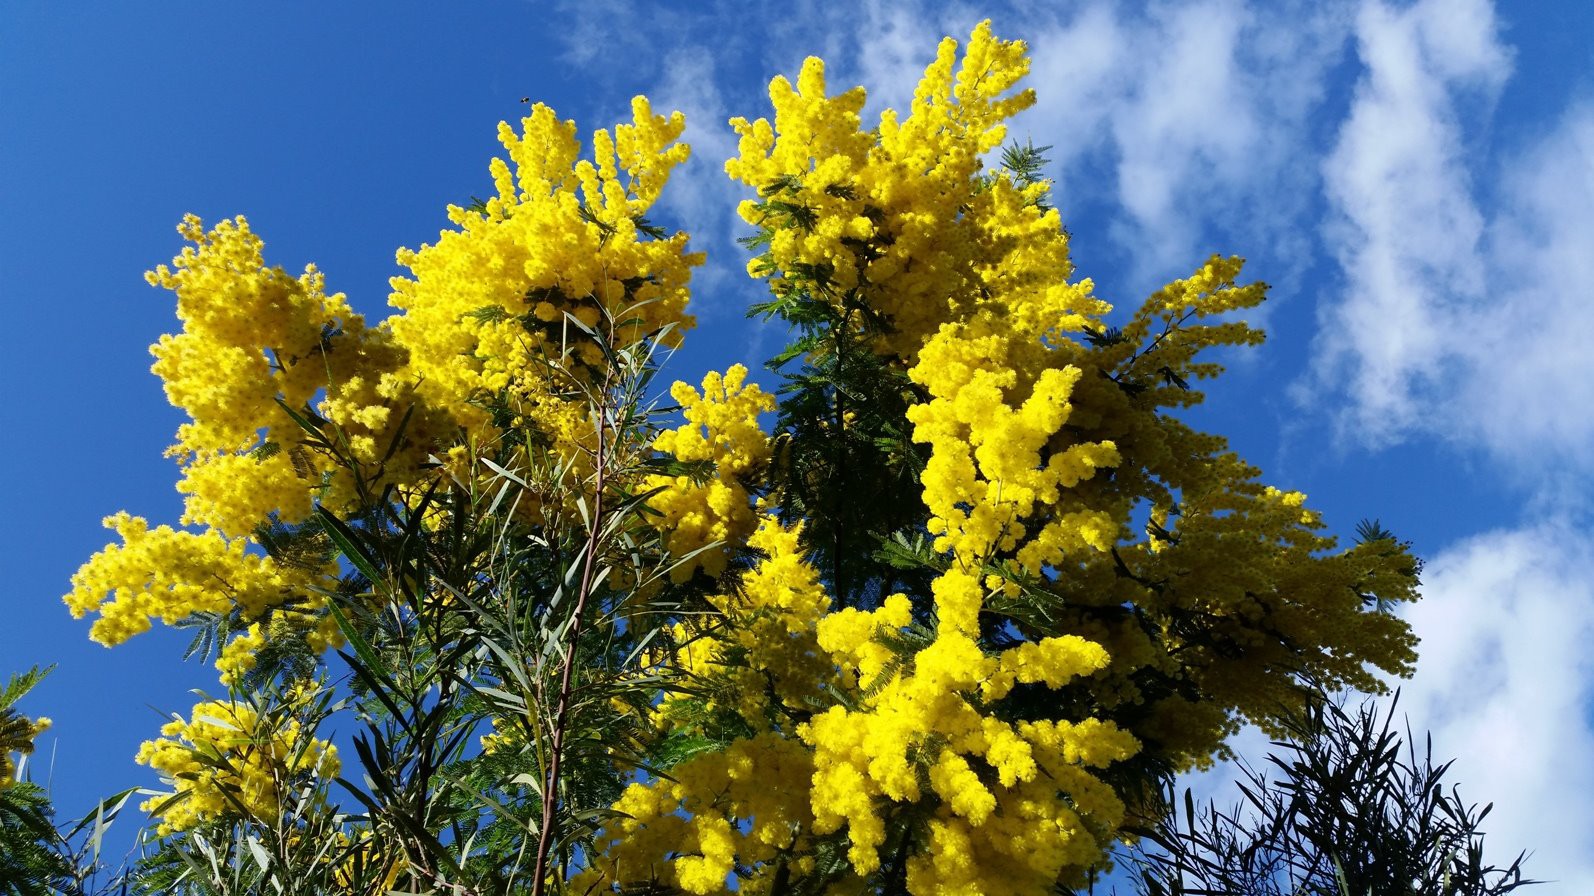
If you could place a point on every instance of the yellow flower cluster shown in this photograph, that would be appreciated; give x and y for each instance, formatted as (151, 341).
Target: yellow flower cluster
(168, 574)
(238, 655)
(509, 301)
(1274, 596)
(1017, 795)
(1046, 438)
(255, 339)
(364, 858)
(254, 343)
(970, 271)
(998, 457)
(224, 762)
(902, 216)
(506, 735)
(770, 626)
(744, 806)
(509, 322)
(1014, 794)
(749, 804)
(23, 744)
(711, 514)
(774, 618)
(483, 320)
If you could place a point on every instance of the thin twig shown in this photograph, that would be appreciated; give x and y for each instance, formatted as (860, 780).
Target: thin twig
(550, 795)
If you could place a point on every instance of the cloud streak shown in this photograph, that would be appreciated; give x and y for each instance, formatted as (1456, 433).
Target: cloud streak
(1466, 300)
(1530, 383)
(1405, 229)
(1190, 122)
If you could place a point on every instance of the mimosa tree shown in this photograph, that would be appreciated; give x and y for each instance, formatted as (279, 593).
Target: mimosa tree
(940, 614)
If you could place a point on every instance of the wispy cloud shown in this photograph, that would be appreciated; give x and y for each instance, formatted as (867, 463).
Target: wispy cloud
(1466, 302)
(1406, 231)
(1529, 389)
(896, 42)
(1079, 73)
(1190, 121)
(1188, 118)
(595, 32)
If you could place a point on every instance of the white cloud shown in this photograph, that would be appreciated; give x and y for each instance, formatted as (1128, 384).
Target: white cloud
(1505, 683)
(896, 42)
(1529, 388)
(1411, 233)
(1200, 112)
(1079, 75)
(1406, 231)
(595, 32)
(1188, 118)
(1466, 304)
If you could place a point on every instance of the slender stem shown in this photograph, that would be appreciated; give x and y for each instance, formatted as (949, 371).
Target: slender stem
(550, 797)
(837, 580)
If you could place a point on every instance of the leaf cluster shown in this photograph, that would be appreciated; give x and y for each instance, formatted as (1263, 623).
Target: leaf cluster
(1345, 807)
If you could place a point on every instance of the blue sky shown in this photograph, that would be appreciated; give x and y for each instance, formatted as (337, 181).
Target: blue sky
(1415, 180)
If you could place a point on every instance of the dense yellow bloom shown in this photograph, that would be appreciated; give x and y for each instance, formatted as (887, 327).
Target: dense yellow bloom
(1047, 435)
(996, 459)
(238, 655)
(903, 215)
(167, 574)
(747, 804)
(254, 340)
(715, 515)
(773, 621)
(224, 762)
(484, 313)
(926, 718)
(762, 657)
(506, 302)
(970, 272)
(929, 719)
